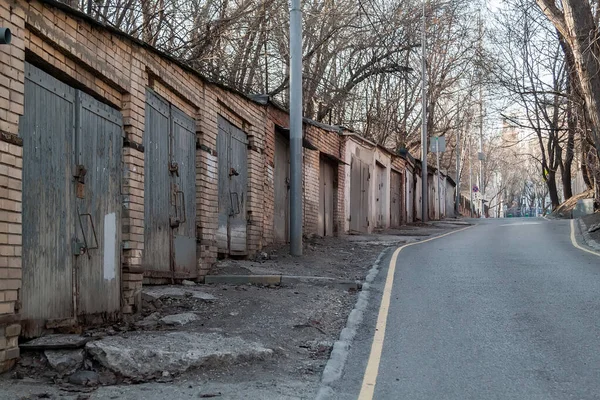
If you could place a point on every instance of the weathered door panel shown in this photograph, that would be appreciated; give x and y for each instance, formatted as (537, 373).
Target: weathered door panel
(360, 175)
(223, 139)
(238, 188)
(99, 150)
(47, 128)
(380, 195)
(184, 157)
(395, 199)
(355, 194)
(326, 181)
(157, 202)
(366, 171)
(232, 150)
(410, 198)
(281, 181)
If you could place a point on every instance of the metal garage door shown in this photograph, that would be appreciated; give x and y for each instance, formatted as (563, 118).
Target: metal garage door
(170, 191)
(72, 148)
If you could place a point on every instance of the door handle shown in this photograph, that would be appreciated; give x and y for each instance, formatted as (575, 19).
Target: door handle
(86, 247)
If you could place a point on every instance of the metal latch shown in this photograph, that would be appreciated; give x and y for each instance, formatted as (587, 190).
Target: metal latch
(233, 172)
(78, 248)
(80, 173)
(174, 168)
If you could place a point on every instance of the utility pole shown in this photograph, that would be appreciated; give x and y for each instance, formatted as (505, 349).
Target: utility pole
(295, 128)
(424, 192)
(470, 178)
(481, 155)
(457, 202)
(439, 193)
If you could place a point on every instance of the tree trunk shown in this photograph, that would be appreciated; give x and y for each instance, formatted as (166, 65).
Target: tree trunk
(552, 189)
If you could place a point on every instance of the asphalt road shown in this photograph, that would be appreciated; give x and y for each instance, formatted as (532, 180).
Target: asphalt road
(508, 309)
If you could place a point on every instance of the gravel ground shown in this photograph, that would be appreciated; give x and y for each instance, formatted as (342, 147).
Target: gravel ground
(299, 322)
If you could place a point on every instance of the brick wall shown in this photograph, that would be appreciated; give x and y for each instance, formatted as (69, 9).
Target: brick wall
(11, 163)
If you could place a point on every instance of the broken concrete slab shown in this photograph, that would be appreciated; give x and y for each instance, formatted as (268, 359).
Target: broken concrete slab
(85, 378)
(179, 319)
(149, 322)
(145, 355)
(188, 283)
(65, 361)
(55, 342)
(158, 292)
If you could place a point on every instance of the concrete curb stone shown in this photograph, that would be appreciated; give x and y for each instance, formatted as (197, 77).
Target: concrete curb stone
(587, 238)
(339, 355)
(281, 280)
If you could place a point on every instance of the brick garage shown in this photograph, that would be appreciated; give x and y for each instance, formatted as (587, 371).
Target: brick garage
(322, 144)
(116, 71)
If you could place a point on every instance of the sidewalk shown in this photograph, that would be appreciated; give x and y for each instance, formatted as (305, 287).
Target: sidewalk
(229, 341)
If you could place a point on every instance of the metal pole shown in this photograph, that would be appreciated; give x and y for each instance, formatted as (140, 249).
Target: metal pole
(439, 194)
(295, 128)
(457, 202)
(470, 178)
(424, 193)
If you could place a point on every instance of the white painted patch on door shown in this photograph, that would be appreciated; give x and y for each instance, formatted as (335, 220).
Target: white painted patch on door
(110, 244)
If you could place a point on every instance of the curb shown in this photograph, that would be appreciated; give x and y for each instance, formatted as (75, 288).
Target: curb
(587, 238)
(281, 280)
(341, 348)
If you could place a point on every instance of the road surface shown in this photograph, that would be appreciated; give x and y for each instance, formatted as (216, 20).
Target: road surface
(508, 309)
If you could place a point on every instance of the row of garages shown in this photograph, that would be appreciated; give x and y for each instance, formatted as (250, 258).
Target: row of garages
(123, 167)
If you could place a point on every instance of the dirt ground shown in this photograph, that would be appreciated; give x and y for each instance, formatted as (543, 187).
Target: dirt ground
(298, 322)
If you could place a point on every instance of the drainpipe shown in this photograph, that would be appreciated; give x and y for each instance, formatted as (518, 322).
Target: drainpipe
(5, 36)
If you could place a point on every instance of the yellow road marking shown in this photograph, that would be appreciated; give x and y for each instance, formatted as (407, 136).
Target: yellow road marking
(574, 241)
(370, 377)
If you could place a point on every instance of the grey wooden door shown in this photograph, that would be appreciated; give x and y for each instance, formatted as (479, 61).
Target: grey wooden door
(326, 204)
(380, 195)
(396, 208)
(72, 152)
(184, 192)
(360, 176)
(170, 191)
(99, 143)
(232, 150)
(48, 131)
(157, 188)
(281, 183)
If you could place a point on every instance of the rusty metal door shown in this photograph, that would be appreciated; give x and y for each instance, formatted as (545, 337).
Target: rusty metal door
(170, 191)
(360, 176)
(326, 204)
(281, 183)
(232, 150)
(184, 191)
(48, 130)
(395, 199)
(380, 195)
(99, 144)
